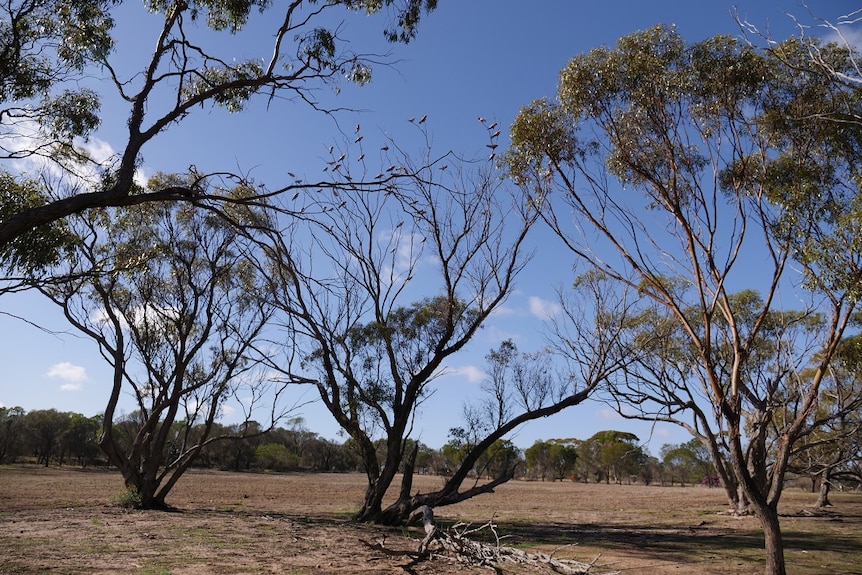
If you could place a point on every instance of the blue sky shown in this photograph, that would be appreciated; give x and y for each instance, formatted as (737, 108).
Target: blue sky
(472, 58)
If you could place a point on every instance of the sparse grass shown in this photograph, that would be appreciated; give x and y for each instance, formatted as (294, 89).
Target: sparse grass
(249, 524)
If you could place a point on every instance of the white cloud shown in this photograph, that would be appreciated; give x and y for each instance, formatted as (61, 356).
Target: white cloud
(542, 308)
(74, 376)
(29, 136)
(472, 373)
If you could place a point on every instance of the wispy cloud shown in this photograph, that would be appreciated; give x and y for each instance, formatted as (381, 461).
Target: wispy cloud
(606, 414)
(542, 308)
(470, 372)
(72, 375)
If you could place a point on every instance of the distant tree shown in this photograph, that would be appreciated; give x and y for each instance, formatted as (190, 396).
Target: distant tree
(276, 457)
(554, 458)
(11, 428)
(689, 462)
(538, 460)
(57, 55)
(614, 454)
(326, 455)
(237, 451)
(43, 434)
(651, 470)
(500, 457)
(169, 296)
(81, 439)
(424, 458)
(676, 162)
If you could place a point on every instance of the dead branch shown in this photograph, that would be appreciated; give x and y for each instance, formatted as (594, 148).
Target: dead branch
(455, 544)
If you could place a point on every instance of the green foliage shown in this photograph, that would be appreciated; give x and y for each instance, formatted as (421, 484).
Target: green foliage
(407, 16)
(77, 31)
(128, 498)
(50, 50)
(72, 113)
(498, 458)
(276, 457)
(228, 15)
(39, 248)
(229, 87)
(542, 130)
(80, 439)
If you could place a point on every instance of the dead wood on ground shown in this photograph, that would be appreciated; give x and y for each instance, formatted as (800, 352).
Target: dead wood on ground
(455, 544)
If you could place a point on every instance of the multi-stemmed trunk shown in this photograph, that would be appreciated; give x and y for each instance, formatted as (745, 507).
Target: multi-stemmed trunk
(755, 492)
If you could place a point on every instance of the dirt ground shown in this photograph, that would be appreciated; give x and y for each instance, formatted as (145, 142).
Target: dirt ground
(62, 521)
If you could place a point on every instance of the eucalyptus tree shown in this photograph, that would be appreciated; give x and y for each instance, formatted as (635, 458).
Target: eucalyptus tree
(691, 170)
(167, 293)
(379, 290)
(691, 460)
(58, 56)
(554, 459)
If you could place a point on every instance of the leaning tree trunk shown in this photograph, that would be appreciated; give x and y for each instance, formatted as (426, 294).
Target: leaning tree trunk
(402, 511)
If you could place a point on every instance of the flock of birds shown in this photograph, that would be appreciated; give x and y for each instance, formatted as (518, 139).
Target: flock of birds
(338, 164)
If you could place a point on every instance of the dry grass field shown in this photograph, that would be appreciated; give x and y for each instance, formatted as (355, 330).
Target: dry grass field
(62, 521)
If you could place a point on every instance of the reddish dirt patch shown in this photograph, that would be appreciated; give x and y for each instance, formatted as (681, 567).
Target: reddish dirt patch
(62, 521)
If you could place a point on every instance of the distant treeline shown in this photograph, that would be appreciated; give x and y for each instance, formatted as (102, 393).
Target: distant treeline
(51, 437)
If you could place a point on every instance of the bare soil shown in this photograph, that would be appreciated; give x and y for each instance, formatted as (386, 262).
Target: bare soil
(63, 521)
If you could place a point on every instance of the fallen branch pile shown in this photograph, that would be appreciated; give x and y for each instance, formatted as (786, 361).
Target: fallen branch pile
(456, 544)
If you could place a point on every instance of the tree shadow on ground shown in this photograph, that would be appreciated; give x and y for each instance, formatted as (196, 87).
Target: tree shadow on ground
(677, 544)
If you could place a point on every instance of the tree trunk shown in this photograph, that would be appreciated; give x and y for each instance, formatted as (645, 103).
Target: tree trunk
(372, 504)
(378, 484)
(773, 541)
(825, 486)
